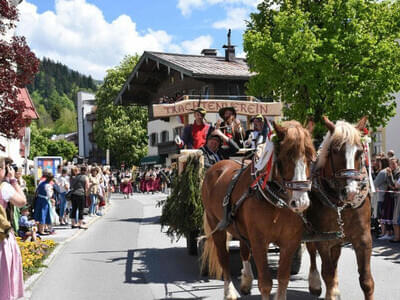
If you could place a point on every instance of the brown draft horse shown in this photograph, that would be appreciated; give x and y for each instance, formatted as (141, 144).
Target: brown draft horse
(338, 167)
(257, 220)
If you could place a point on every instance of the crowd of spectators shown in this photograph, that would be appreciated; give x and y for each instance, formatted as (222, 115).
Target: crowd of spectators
(386, 204)
(61, 199)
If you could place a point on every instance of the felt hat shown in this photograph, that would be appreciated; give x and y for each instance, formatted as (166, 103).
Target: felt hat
(214, 136)
(200, 110)
(222, 111)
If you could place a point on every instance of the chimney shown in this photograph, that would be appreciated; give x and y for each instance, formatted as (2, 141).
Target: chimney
(209, 52)
(229, 49)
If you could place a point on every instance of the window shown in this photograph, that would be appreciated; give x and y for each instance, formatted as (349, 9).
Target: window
(178, 131)
(164, 136)
(206, 91)
(153, 140)
(377, 136)
(377, 142)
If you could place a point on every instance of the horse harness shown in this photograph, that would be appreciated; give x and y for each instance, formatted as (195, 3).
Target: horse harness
(327, 198)
(271, 191)
(275, 193)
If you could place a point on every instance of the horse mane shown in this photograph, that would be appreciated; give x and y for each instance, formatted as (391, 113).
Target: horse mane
(297, 142)
(344, 133)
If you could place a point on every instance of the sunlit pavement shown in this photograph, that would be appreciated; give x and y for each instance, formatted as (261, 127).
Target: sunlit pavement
(124, 255)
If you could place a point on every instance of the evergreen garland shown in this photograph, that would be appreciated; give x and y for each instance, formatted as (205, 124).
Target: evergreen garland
(182, 211)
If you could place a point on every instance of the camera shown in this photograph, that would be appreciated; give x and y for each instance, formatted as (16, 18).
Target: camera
(14, 166)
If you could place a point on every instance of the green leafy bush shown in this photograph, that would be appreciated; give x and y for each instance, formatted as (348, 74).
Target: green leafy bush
(183, 210)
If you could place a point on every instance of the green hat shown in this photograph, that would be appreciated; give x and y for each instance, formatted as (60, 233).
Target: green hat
(200, 110)
(26, 207)
(258, 117)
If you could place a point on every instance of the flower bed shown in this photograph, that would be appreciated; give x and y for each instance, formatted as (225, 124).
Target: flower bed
(33, 255)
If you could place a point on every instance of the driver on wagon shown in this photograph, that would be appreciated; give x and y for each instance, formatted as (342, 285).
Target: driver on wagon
(212, 150)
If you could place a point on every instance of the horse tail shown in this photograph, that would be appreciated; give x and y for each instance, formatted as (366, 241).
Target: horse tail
(209, 258)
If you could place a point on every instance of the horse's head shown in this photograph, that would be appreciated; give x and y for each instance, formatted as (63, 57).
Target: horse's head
(293, 157)
(341, 157)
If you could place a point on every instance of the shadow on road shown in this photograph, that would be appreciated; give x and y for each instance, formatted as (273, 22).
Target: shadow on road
(383, 249)
(143, 221)
(387, 250)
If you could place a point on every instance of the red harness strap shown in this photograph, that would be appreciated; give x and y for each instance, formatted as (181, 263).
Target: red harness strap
(266, 174)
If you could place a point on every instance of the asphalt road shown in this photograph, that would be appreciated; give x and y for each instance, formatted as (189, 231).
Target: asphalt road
(124, 255)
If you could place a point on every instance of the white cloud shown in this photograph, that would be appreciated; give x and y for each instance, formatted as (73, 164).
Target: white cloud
(237, 11)
(186, 6)
(77, 35)
(235, 19)
(195, 46)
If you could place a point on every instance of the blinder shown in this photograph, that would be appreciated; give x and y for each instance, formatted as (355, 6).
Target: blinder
(304, 186)
(351, 174)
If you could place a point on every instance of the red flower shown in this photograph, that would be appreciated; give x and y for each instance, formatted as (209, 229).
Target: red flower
(365, 131)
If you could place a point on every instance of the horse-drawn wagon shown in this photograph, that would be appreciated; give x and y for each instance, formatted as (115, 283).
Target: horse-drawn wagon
(245, 107)
(336, 185)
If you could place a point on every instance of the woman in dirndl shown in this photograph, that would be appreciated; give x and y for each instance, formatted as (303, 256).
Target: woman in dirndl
(42, 209)
(11, 274)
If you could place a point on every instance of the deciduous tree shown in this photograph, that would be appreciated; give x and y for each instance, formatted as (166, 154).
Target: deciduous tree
(123, 130)
(340, 58)
(18, 64)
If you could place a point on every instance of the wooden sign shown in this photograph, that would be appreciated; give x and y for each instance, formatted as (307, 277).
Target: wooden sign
(247, 108)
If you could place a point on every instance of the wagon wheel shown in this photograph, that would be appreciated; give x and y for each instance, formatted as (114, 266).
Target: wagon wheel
(191, 242)
(296, 262)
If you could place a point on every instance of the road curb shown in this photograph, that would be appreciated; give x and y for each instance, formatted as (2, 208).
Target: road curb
(28, 284)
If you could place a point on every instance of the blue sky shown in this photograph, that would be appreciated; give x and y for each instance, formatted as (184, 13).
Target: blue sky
(92, 36)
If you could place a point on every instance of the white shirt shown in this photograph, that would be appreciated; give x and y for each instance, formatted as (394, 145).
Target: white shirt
(62, 182)
(7, 191)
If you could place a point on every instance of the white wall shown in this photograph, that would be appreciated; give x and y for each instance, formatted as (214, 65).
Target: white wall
(392, 130)
(84, 107)
(12, 147)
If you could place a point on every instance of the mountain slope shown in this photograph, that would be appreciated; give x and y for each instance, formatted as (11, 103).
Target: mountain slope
(54, 92)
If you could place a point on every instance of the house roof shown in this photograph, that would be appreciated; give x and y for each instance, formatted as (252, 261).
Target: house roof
(195, 66)
(204, 66)
(30, 111)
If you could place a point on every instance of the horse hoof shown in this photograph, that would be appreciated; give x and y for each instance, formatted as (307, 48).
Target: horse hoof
(245, 284)
(245, 291)
(315, 292)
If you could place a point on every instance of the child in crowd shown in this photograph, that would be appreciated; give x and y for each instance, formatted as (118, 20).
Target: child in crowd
(27, 229)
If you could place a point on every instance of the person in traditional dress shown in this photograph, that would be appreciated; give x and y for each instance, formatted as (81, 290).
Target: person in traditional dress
(149, 181)
(230, 126)
(43, 206)
(195, 135)
(11, 274)
(212, 150)
(259, 133)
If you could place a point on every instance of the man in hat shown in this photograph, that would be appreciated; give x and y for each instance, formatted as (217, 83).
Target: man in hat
(230, 126)
(195, 135)
(259, 133)
(212, 150)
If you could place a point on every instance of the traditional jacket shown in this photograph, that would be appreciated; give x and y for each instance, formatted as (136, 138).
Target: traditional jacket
(195, 136)
(211, 158)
